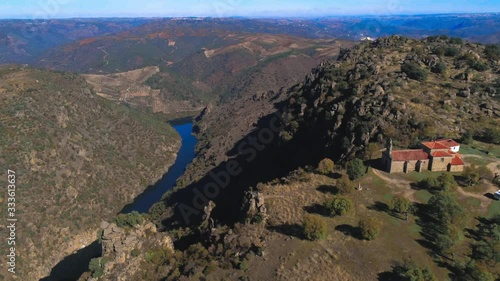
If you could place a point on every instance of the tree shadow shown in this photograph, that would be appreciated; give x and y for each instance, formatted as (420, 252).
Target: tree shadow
(74, 265)
(325, 188)
(387, 276)
(460, 180)
(375, 164)
(294, 230)
(379, 207)
(415, 186)
(349, 230)
(317, 209)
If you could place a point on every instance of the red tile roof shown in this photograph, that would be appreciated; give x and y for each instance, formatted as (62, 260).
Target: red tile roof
(441, 154)
(440, 144)
(406, 155)
(457, 161)
(434, 145)
(448, 142)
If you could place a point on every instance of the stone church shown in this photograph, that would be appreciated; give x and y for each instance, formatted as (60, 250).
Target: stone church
(439, 156)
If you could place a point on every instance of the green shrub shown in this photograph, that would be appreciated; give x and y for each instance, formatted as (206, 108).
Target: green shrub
(344, 185)
(326, 166)
(314, 227)
(96, 266)
(339, 206)
(409, 271)
(439, 68)
(356, 169)
(479, 66)
(415, 100)
(400, 204)
(129, 220)
(492, 135)
(135, 253)
(455, 40)
(414, 71)
(157, 256)
(451, 51)
(492, 52)
(370, 228)
(243, 265)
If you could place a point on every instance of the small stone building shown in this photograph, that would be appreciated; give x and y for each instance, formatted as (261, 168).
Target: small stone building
(440, 155)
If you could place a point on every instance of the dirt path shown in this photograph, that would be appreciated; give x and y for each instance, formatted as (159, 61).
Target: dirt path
(401, 186)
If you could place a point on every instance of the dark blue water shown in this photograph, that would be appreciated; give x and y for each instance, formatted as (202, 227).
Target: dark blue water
(185, 155)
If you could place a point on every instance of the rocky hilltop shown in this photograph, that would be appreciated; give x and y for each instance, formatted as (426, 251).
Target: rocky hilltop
(400, 88)
(78, 159)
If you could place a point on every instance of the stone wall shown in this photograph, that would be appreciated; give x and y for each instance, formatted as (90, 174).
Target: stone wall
(456, 168)
(440, 164)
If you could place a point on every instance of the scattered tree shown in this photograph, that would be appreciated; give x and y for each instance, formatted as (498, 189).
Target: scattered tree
(344, 185)
(400, 205)
(445, 209)
(409, 271)
(355, 169)
(314, 227)
(370, 228)
(487, 246)
(492, 135)
(326, 166)
(444, 181)
(467, 137)
(471, 271)
(372, 151)
(471, 175)
(339, 206)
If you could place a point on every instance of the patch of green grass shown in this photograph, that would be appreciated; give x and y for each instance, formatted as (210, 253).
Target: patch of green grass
(416, 177)
(414, 229)
(481, 149)
(494, 208)
(423, 196)
(477, 161)
(474, 202)
(388, 197)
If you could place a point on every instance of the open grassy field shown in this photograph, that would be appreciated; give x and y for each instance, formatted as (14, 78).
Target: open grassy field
(343, 255)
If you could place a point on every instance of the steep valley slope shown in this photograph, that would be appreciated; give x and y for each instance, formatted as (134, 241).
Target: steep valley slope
(393, 88)
(78, 159)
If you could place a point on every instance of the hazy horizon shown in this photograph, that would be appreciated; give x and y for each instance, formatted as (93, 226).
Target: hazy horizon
(66, 9)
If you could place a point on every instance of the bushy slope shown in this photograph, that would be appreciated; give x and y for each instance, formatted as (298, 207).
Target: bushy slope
(78, 159)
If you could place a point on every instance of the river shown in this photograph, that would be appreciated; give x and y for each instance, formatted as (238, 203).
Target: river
(153, 194)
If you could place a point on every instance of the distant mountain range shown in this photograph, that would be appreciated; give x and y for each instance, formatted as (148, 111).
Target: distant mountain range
(26, 41)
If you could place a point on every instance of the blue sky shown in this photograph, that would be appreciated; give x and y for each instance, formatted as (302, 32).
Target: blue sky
(224, 8)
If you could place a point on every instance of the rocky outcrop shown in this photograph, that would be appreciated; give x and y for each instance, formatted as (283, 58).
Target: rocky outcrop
(124, 248)
(253, 205)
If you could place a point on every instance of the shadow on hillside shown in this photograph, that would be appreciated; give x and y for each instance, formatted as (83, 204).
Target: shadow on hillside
(294, 230)
(250, 162)
(74, 265)
(349, 230)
